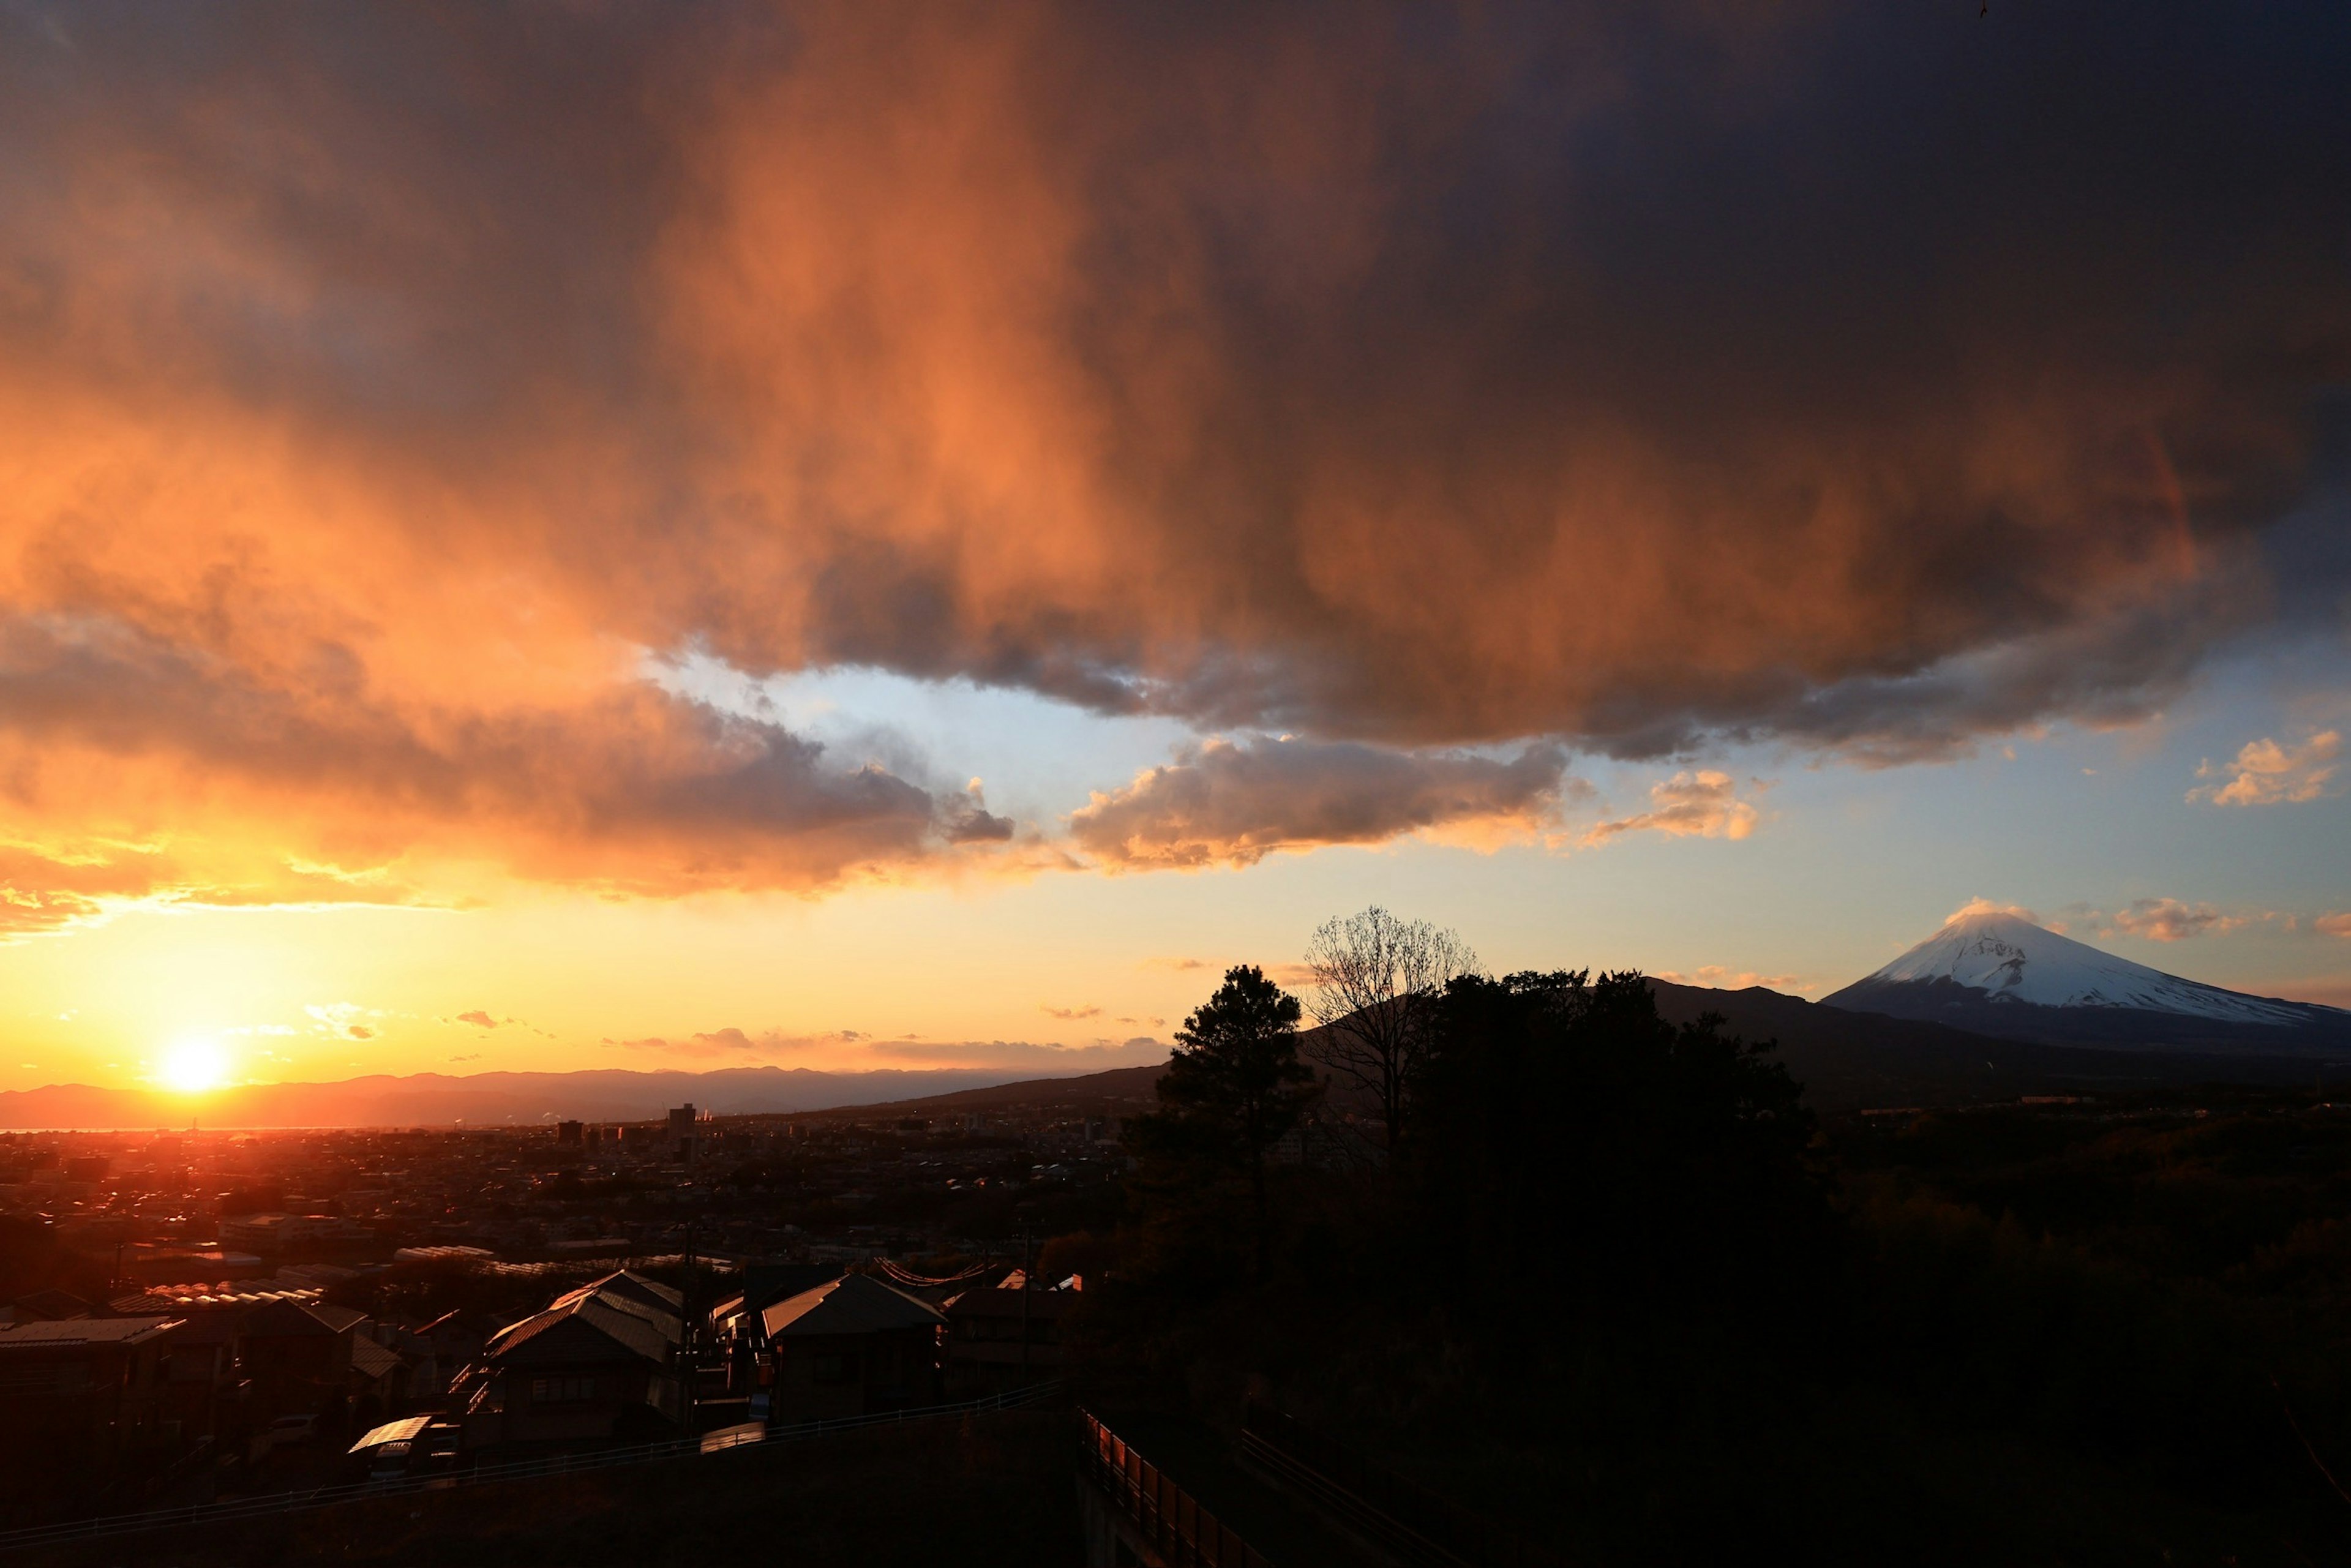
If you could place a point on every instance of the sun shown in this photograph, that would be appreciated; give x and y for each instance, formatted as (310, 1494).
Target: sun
(192, 1066)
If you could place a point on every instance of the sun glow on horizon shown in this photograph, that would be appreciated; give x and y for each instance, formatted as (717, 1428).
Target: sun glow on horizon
(191, 1066)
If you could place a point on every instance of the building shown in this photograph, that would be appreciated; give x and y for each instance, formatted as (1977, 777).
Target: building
(567, 1133)
(47, 1306)
(444, 1347)
(83, 1390)
(277, 1233)
(296, 1359)
(685, 1133)
(200, 1377)
(1008, 1337)
(600, 1364)
(853, 1348)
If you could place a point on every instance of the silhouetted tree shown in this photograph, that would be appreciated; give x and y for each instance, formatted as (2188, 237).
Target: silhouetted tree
(1377, 980)
(1233, 1089)
(1581, 1152)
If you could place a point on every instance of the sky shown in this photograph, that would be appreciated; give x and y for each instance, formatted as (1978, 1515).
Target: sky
(873, 535)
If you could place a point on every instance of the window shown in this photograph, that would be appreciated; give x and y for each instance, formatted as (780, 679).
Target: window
(832, 1367)
(562, 1390)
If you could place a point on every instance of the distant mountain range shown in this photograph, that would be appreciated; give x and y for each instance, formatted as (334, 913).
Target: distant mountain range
(1996, 973)
(1990, 1005)
(482, 1099)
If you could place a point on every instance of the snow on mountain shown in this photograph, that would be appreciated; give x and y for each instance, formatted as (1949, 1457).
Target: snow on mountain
(1993, 971)
(2010, 958)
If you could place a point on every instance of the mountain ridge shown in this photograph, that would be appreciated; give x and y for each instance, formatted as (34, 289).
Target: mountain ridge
(1993, 972)
(502, 1098)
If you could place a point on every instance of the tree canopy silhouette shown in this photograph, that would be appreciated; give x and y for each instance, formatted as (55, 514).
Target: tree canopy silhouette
(1579, 1150)
(1377, 980)
(1234, 1088)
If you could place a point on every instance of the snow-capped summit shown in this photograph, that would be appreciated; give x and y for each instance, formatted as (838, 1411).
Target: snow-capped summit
(1995, 970)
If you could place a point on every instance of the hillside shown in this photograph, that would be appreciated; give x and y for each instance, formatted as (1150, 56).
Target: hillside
(1993, 971)
(484, 1099)
(1122, 1090)
(1849, 1060)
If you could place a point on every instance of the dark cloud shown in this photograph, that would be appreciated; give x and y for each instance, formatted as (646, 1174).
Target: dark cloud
(1234, 802)
(378, 387)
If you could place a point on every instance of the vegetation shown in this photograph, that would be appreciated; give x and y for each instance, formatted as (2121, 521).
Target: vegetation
(1377, 979)
(1615, 1286)
(1233, 1089)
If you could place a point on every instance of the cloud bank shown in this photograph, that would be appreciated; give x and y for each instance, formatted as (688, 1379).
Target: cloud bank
(377, 392)
(1234, 802)
(2267, 774)
(1705, 804)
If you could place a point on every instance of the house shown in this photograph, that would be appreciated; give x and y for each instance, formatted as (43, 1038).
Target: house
(82, 1390)
(439, 1349)
(739, 1341)
(201, 1394)
(853, 1348)
(1008, 1337)
(49, 1306)
(599, 1364)
(380, 1380)
(296, 1356)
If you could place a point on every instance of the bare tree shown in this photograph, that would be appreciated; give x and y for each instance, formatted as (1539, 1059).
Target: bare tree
(1375, 980)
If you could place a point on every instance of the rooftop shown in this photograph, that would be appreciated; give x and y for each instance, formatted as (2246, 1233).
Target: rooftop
(82, 1331)
(854, 1303)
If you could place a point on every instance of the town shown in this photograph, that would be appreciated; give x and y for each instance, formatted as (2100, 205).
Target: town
(256, 1312)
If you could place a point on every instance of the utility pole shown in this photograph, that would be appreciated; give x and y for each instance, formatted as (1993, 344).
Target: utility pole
(692, 1390)
(1027, 1283)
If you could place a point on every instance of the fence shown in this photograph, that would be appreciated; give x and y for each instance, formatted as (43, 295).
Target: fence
(1171, 1519)
(1416, 1524)
(729, 1440)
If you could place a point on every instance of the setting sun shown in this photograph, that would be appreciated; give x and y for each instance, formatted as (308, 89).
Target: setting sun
(191, 1066)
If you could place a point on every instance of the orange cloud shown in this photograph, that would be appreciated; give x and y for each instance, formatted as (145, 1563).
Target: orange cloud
(2169, 920)
(1721, 977)
(2267, 774)
(1703, 804)
(1336, 371)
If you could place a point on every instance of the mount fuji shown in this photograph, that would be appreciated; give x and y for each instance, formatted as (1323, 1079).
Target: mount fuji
(1998, 973)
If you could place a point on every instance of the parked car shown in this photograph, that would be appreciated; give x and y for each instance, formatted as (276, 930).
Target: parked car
(389, 1461)
(290, 1430)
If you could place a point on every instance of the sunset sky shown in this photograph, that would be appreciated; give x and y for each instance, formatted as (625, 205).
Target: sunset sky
(845, 535)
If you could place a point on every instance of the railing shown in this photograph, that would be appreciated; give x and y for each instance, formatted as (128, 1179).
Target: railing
(728, 1440)
(1416, 1524)
(1171, 1519)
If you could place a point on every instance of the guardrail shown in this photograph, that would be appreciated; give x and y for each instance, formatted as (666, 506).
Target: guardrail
(730, 1440)
(1182, 1532)
(1424, 1529)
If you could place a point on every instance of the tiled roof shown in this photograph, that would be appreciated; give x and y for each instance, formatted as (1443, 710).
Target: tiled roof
(542, 1335)
(334, 1317)
(81, 1331)
(631, 1312)
(298, 1320)
(369, 1359)
(636, 1287)
(854, 1303)
(405, 1431)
